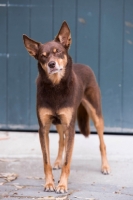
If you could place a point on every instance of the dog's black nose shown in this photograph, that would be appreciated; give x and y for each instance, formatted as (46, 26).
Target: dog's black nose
(51, 64)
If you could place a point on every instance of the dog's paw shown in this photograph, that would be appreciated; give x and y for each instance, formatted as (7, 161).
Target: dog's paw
(57, 165)
(105, 169)
(49, 187)
(61, 189)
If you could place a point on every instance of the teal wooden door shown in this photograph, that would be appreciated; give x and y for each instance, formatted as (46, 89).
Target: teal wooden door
(102, 37)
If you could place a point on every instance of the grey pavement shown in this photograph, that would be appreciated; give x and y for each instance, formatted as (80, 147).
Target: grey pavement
(20, 153)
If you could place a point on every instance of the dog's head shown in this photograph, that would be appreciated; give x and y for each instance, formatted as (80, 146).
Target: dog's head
(52, 55)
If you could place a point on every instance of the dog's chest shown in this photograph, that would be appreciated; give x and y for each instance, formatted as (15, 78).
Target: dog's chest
(60, 116)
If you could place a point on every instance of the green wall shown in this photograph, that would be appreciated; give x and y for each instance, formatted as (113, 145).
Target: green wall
(102, 37)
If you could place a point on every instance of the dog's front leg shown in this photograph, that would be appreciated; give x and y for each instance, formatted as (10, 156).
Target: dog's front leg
(58, 161)
(44, 140)
(69, 142)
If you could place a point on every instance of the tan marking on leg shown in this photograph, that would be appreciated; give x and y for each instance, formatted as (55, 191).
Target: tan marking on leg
(99, 124)
(58, 161)
(44, 140)
(66, 115)
(44, 115)
(100, 129)
(49, 179)
(62, 186)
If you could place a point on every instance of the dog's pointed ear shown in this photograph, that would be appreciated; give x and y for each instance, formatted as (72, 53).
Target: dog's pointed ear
(64, 35)
(31, 46)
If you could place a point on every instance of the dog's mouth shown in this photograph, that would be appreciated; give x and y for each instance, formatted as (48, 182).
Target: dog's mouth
(55, 70)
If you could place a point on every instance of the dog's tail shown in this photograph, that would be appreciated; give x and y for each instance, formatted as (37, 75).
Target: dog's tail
(83, 120)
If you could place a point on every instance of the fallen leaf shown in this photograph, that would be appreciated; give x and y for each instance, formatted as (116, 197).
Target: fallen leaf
(8, 160)
(46, 198)
(8, 176)
(4, 138)
(53, 198)
(31, 177)
(117, 192)
(84, 198)
(38, 178)
(19, 186)
(89, 198)
(3, 160)
(15, 193)
(62, 198)
(5, 194)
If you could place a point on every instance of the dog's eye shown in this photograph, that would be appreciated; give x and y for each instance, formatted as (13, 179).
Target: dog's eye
(58, 51)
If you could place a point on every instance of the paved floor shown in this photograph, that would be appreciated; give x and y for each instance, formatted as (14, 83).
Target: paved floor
(20, 153)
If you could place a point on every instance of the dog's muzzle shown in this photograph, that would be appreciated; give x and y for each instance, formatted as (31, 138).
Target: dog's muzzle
(53, 67)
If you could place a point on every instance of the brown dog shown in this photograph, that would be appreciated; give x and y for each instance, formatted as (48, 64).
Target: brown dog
(65, 91)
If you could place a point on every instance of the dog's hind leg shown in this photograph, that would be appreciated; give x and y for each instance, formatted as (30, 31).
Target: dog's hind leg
(99, 125)
(58, 161)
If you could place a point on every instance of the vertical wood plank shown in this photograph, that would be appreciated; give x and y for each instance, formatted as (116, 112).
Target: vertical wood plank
(66, 11)
(18, 65)
(3, 91)
(3, 64)
(3, 26)
(32, 105)
(128, 68)
(111, 57)
(41, 20)
(40, 30)
(18, 24)
(88, 34)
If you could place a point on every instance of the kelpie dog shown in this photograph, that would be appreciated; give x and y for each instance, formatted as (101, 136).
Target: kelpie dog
(65, 91)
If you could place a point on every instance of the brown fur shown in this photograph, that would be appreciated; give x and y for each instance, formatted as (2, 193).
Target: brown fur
(64, 91)
(83, 120)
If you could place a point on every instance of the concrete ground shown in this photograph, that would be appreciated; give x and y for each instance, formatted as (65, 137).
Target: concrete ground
(20, 153)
